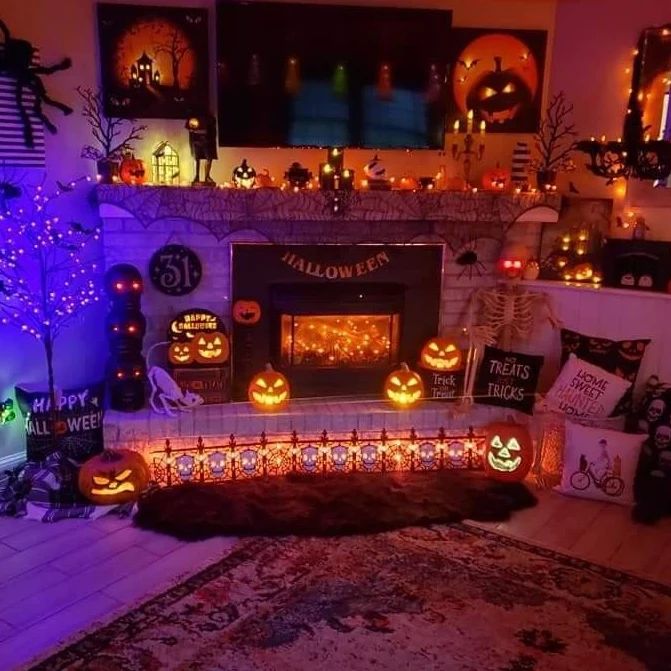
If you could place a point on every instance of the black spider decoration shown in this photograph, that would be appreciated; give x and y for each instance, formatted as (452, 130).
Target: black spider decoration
(470, 261)
(16, 61)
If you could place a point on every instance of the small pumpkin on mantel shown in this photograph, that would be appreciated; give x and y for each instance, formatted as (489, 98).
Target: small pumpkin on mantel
(131, 169)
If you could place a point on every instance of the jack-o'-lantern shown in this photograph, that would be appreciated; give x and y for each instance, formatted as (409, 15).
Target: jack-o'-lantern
(496, 179)
(513, 259)
(403, 387)
(269, 390)
(123, 281)
(131, 170)
(497, 76)
(583, 272)
(244, 176)
(246, 312)
(210, 347)
(264, 180)
(179, 353)
(114, 477)
(408, 183)
(440, 354)
(509, 451)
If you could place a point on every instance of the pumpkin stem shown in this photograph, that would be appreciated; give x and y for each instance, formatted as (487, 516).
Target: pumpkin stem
(110, 456)
(269, 368)
(404, 367)
(498, 60)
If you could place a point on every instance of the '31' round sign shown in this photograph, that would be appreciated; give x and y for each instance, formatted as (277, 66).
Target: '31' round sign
(175, 270)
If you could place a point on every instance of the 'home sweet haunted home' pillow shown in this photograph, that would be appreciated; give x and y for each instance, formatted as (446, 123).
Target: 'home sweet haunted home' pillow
(508, 379)
(585, 390)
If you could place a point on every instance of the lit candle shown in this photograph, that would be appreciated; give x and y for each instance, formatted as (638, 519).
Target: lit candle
(483, 127)
(603, 138)
(456, 127)
(469, 121)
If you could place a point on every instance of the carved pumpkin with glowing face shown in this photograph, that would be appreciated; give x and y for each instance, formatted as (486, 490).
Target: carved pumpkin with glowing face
(508, 451)
(244, 176)
(113, 477)
(210, 347)
(246, 312)
(440, 354)
(131, 170)
(496, 179)
(403, 387)
(269, 390)
(179, 353)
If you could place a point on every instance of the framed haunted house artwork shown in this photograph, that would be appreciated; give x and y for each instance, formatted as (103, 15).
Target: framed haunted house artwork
(154, 61)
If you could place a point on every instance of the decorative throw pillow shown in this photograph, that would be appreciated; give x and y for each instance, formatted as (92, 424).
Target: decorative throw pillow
(600, 464)
(508, 379)
(621, 357)
(585, 390)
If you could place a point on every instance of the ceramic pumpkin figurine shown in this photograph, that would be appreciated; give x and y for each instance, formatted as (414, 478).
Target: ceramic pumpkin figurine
(269, 390)
(210, 347)
(408, 183)
(244, 176)
(496, 179)
(180, 354)
(113, 477)
(509, 451)
(440, 354)
(403, 387)
(246, 312)
(131, 170)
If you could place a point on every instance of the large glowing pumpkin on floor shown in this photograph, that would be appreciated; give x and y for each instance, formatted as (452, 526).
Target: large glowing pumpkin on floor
(269, 390)
(509, 451)
(440, 354)
(403, 387)
(113, 477)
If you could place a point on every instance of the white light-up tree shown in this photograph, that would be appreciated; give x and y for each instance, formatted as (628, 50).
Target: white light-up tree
(45, 279)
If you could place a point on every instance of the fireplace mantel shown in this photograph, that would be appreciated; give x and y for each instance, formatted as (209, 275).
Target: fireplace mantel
(235, 208)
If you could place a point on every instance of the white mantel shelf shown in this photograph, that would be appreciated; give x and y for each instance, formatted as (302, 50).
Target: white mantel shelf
(202, 205)
(591, 290)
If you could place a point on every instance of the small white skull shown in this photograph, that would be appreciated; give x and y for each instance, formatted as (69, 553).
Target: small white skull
(309, 457)
(655, 410)
(217, 462)
(339, 456)
(248, 460)
(663, 437)
(368, 456)
(427, 454)
(185, 466)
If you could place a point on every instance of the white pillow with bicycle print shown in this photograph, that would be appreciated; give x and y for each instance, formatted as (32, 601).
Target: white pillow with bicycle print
(600, 464)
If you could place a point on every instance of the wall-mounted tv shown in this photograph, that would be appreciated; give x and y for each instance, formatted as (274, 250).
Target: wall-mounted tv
(301, 75)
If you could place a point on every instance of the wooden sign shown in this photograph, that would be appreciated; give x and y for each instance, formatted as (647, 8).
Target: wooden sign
(448, 386)
(175, 270)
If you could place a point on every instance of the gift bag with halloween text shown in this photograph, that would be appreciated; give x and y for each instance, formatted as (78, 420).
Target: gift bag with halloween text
(73, 428)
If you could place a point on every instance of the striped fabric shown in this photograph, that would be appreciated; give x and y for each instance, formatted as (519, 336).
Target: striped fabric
(520, 163)
(13, 151)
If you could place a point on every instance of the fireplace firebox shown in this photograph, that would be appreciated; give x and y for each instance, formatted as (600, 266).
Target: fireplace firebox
(335, 319)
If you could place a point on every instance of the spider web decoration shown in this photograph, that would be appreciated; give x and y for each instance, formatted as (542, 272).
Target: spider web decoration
(13, 151)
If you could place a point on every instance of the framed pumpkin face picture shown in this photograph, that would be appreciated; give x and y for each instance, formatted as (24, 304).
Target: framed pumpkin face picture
(499, 75)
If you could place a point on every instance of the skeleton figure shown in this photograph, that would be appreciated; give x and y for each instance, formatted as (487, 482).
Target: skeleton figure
(16, 61)
(217, 462)
(368, 456)
(166, 395)
(310, 456)
(427, 454)
(185, 467)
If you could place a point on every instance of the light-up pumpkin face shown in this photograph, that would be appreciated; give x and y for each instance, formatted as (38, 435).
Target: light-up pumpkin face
(496, 179)
(403, 387)
(269, 390)
(508, 452)
(131, 170)
(114, 477)
(210, 348)
(440, 354)
(180, 354)
(244, 176)
(246, 312)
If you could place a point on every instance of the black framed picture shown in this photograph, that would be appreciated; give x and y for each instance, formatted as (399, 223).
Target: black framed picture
(154, 61)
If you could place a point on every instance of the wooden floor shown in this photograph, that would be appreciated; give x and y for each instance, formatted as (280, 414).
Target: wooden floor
(57, 580)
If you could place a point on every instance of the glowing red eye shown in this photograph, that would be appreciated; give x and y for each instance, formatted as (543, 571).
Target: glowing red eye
(115, 328)
(131, 329)
(507, 264)
(518, 264)
(136, 285)
(119, 374)
(119, 286)
(137, 373)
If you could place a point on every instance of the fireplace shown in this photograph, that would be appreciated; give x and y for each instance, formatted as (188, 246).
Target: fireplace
(334, 318)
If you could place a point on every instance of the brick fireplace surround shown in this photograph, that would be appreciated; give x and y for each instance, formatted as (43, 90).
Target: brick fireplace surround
(138, 220)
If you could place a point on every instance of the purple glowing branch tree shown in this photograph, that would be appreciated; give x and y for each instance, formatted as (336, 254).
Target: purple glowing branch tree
(45, 280)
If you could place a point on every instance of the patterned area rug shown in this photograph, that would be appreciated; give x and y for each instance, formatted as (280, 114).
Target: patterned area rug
(438, 598)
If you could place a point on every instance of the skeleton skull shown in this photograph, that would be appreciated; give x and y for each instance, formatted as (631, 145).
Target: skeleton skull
(368, 456)
(655, 410)
(217, 462)
(663, 437)
(339, 456)
(309, 457)
(248, 459)
(185, 466)
(427, 454)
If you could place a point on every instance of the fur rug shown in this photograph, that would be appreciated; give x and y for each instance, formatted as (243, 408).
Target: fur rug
(328, 505)
(420, 599)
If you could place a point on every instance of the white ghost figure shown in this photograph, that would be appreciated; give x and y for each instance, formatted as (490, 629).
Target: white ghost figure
(248, 461)
(368, 456)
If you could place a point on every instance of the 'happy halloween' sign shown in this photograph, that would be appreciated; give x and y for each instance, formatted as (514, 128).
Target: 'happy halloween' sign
(342, 271)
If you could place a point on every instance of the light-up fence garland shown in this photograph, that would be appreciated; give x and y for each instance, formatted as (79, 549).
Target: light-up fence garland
(341, 453)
